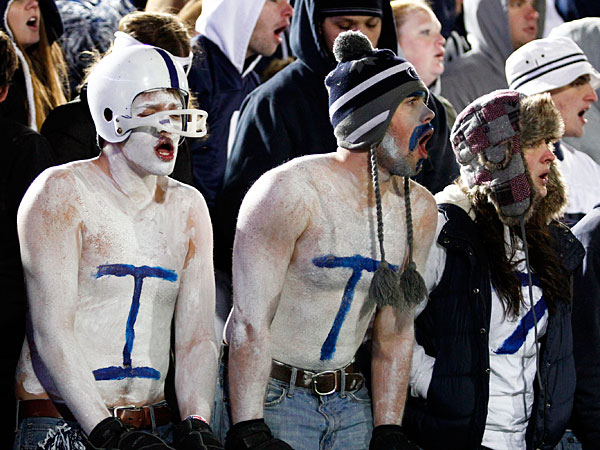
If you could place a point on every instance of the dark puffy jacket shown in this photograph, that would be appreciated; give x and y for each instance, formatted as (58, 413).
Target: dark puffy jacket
(586, 333)
(453, 328)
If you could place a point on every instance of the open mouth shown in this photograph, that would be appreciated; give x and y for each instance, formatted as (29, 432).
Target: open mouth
(279, 31)
(544, 177)
(32, 22)
(423, 142)
(581, 114)
(165, 150)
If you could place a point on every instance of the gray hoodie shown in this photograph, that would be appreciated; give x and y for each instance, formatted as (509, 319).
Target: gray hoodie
(586, 33)
(481, 70)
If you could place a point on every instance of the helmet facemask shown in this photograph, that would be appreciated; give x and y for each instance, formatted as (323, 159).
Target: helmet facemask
(181, 122)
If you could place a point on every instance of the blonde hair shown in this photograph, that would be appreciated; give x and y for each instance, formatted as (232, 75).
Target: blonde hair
(402, 8)
(163, 30)
(48, 72)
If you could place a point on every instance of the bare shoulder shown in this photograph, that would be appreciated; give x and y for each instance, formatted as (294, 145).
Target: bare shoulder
(422, 202)
(182, 192)
(286, 191)
(187, 199)
(54, 189)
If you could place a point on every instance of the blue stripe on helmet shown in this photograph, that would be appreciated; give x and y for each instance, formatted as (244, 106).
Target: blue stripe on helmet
(171, 68)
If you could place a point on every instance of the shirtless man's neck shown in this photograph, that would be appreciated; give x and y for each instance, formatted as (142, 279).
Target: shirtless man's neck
(141, 189)
(358, 163)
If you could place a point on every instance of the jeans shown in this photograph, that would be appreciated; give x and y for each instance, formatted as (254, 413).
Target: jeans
(306, 421)
(569, 442)
(48, 433)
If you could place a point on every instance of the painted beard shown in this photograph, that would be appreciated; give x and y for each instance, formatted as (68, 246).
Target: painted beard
(150, 152)
(390, 158)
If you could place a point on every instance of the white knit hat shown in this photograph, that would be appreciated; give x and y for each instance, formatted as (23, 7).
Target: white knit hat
(545, 64)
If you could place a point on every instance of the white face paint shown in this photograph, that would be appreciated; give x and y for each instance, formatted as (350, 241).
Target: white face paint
(403, 145)
(390, 150)
(148, 151)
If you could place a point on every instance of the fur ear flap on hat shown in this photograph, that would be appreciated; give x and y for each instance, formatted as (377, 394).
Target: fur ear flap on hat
(540, 120)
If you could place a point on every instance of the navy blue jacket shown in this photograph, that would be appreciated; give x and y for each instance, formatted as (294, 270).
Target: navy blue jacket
(586, 333)
(219, 90)
(577, 9)
(288, 116)
(453, 328)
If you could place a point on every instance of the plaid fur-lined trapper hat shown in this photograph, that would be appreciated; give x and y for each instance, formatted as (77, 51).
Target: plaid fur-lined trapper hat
(488, 138)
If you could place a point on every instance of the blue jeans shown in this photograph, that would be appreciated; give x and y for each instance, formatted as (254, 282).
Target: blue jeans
(569, 442)
(36, 433)
(306, 421)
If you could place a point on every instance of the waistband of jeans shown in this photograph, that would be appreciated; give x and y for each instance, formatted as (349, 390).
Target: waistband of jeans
(140, 417)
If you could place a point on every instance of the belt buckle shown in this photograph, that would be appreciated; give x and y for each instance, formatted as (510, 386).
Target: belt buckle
(315, 382)
(116, 409)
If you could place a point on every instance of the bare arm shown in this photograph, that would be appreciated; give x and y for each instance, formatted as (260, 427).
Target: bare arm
(195, 341)
(49, 228)
(272, 217)
(393, 331)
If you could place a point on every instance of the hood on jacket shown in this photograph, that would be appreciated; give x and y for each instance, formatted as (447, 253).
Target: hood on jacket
(48, 10)
(489, 35)
(307, 45)
(54, 29)
(229, 25)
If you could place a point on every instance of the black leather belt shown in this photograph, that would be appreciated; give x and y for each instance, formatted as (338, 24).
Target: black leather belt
(137, 417)
(321, 383)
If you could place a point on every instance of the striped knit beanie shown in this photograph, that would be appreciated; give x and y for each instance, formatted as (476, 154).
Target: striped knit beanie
(488, 137)
(365, 89)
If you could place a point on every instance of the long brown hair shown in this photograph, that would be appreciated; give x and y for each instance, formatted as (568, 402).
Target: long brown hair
(48, 72)
(544, 260)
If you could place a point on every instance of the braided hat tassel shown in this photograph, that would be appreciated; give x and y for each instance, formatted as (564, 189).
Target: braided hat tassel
(412, 284)
(384, 289)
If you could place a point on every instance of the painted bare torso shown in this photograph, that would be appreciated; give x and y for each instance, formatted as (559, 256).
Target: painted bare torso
(131, 256)
(323, 311)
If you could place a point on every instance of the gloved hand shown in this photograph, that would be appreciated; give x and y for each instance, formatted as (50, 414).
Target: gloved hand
(253, 435)
(193, 434)
(142, 440)
(390, 437)
(106, 434)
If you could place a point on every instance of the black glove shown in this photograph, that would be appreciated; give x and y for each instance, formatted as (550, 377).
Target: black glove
(390, 437)
(193, 434)
(142, 440)
(106, 434)
(253, 435)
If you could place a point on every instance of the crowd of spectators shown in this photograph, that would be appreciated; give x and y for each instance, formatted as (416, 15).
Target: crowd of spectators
(462, 50)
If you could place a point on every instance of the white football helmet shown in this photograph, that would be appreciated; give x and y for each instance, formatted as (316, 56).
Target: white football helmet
(124, 74)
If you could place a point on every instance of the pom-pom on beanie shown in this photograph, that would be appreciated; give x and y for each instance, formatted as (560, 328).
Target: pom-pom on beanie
(365, 90)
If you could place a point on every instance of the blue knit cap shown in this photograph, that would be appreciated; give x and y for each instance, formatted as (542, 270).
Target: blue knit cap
(365, 89)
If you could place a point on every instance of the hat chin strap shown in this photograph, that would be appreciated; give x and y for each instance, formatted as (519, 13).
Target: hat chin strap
(531, 305)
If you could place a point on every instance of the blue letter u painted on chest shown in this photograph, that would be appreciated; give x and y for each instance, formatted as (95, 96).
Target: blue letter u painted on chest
(357, 264)
(138, 274)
